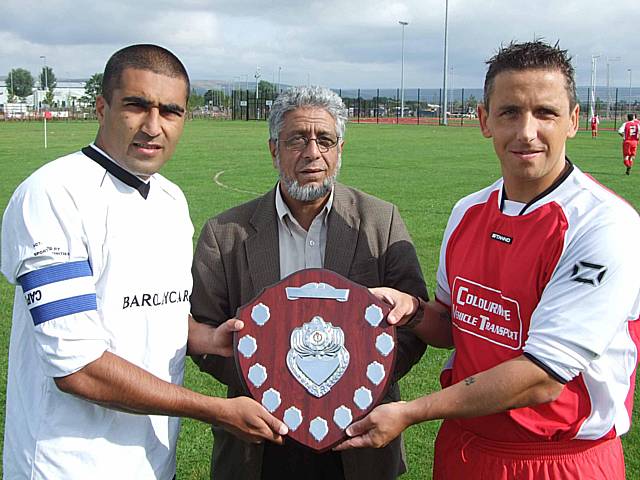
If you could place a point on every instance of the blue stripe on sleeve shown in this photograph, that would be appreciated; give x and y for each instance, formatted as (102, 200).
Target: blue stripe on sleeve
(55, 273)
(61, 308)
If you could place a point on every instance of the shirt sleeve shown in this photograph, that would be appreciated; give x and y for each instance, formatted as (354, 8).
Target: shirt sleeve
(45, 254)
(591, 296)
(443, 289)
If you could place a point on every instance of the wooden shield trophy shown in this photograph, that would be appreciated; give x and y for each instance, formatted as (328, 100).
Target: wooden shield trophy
(316, 351)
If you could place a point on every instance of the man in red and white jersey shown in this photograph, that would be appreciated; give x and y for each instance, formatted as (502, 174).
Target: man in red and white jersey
(595, 121)
(630, 133)
(538, 293)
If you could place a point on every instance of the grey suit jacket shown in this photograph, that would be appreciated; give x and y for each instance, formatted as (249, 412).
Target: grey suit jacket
(237, 256)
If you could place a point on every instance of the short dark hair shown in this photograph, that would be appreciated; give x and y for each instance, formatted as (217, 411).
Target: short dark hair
(142, 57)
(536, 55)
(630, 116)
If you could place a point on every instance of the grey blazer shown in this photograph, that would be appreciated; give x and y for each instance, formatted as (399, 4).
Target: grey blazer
(237, 256)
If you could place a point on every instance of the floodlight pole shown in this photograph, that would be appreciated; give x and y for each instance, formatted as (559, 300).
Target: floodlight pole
(257, 77)
(452, 84)
(46, 87)
(278, 88)
(609, 60)
(446, 61)
(404, 24)
(629, 70)
(592, 100)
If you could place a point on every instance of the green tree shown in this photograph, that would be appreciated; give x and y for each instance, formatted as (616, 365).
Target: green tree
(48, 79)
(48, 97)
(216, 97)
(195, 100)
(266, 89)
(20, 82)
(472, 102)
(92, 88)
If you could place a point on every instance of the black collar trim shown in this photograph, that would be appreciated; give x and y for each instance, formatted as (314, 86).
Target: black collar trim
(567, 171)
(117, 171)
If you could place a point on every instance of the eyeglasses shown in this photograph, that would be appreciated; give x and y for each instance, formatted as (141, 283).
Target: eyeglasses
(299, 142)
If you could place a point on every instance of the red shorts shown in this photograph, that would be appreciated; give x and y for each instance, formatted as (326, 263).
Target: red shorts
(629, 148)
(460, 454)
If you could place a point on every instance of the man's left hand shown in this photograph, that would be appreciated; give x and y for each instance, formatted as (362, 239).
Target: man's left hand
(206, 339)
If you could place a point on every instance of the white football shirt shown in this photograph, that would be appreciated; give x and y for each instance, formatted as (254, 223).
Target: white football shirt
(98, 267)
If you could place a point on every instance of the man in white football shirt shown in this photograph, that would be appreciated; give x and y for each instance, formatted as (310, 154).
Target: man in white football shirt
(99, 246)
(539, 294)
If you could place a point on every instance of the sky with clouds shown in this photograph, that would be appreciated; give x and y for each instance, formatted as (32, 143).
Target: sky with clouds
(340, 44)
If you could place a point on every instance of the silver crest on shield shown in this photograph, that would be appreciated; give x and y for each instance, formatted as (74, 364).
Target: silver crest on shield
(317, 358)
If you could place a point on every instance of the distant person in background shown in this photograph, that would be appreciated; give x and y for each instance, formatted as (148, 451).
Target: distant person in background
(542, 296)
(630, 133)
(99, 246)
(595, 121)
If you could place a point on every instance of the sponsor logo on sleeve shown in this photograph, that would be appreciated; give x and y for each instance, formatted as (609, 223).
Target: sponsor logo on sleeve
(589, 273)
(484, 312)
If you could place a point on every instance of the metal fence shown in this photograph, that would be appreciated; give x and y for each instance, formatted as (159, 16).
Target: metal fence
(421, 106)
(424, 105)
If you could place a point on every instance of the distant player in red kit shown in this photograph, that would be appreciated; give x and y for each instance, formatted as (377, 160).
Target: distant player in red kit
(595, 121)
(630, 132)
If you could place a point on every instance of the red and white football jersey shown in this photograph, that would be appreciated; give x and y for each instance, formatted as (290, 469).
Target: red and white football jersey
(557, 281)
(631, 131)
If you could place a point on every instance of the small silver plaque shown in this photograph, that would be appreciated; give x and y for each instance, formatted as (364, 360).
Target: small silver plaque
(318, 428)
(362, 398)
(260, 314)
(271, 400)
(342, 417)
(384, 344)
(257, 374)
(247, 346)
(373, 315)
(317, 357)
(318, 290)
(375, 372)
(293, 418)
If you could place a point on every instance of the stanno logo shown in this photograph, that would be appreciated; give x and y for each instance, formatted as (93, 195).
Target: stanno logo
(589, 273)
(501, 238)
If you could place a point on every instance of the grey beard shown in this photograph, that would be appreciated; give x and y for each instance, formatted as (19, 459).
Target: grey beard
(308, 193)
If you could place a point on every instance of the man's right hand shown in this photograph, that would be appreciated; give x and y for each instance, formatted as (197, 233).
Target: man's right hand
(403, 305)
(430, 321)
(250, 421)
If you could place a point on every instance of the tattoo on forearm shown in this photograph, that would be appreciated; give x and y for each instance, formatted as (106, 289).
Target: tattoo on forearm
(469, 380)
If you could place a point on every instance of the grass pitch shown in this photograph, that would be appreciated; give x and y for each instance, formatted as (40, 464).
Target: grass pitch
(422, 169)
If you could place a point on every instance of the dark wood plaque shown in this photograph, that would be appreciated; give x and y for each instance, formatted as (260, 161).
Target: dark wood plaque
(317, 352)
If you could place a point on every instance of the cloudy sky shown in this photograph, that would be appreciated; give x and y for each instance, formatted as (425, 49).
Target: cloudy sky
(341, 44)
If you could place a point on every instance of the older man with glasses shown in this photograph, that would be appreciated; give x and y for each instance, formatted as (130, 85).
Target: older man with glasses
(307, 220)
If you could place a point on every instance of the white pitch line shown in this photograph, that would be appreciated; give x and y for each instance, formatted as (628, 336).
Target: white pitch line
(216, 179)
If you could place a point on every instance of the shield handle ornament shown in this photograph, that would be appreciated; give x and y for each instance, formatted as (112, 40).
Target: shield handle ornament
(316, 351)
